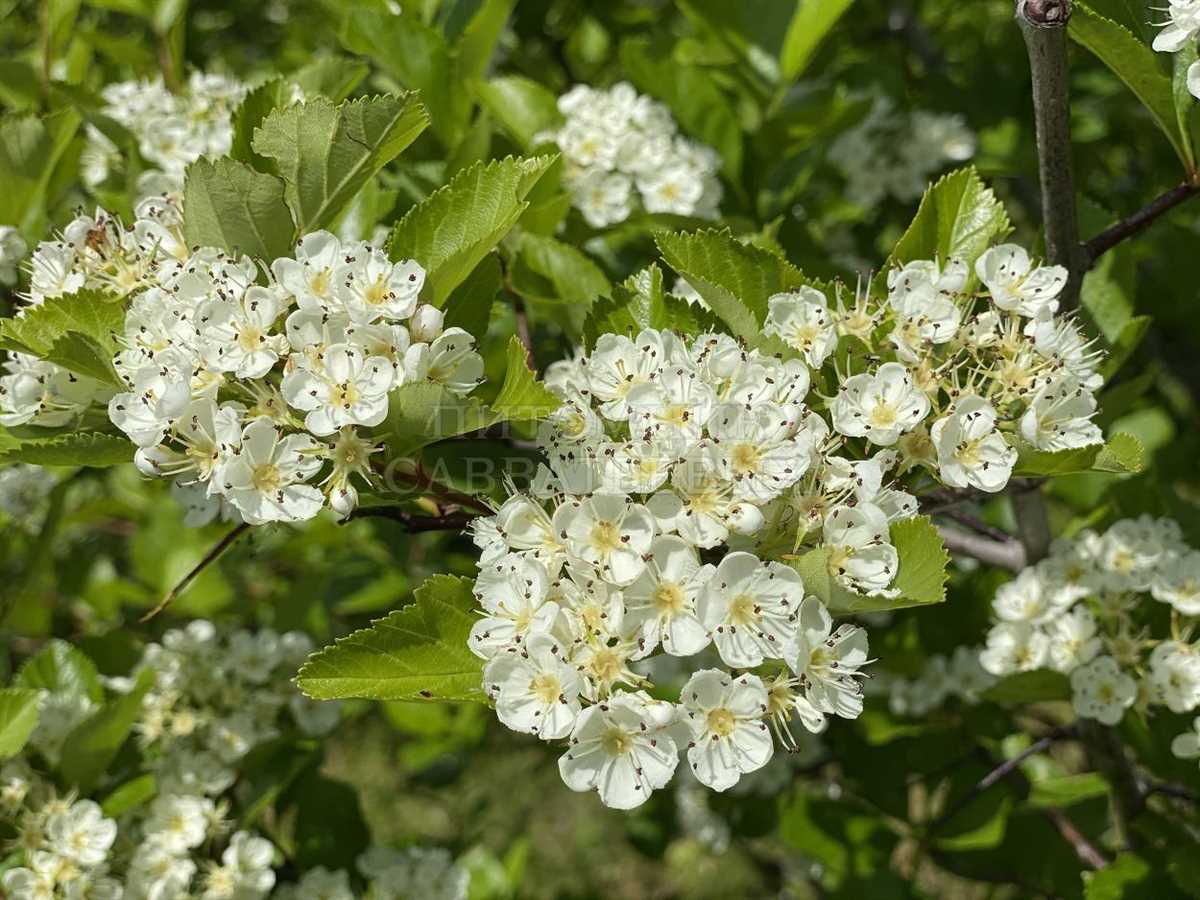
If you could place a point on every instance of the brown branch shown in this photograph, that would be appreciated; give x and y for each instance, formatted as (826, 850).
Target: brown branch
(976, 525)
(1084, 848)
(1143, 218)
(421, 480)
(415, 524)
(209, 558)
(1009, 554)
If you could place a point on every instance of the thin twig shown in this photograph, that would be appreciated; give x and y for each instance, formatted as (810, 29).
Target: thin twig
(1084, 848)
(1168, 789)
(421, 480)
(1009, 554)
(1144, 217)
(415, 524)
(209, 558)
(976, 525)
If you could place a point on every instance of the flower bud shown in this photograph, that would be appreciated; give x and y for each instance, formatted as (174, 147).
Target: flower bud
(426, 323)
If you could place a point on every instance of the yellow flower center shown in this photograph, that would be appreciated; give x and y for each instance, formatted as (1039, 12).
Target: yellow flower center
(669, 599)
(546, 688)
(721, 722)
(742, 610)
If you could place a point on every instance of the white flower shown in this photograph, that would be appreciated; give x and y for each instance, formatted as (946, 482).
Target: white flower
(803, 321)
(726, 719)
(1101, 691)
(370, 286)
(1073, 639)
(512, 591)
(1177, 582)
(671, 411)
(177, 823)
(1182, 25)
(617, 365)
(1016, 285)
(750, 608)
(35, 392)
(320, 883)
(1027, 598)
(860, 551)
(449, 361)
(971, 452)
(827, 660)
(609, 533)
(622, 749)
(36, 883)
(265, 478)
(1015, 647)
(760, 449)
(239, 332)
(245, 870)
(343, 387)
(308, 275)
(1175, 676)
(879, 406)
(1059, 417)
(534, 687)
(661, 603)
(604, 198)
(81, 833)
(700, 503)
(1187, 745)
(673, 189)
(147, 411)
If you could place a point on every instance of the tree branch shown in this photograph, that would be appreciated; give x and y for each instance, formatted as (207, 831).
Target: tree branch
(1044, 26)
(209, 558)
(1033, 527)
(415, 524)
(1005, 554)
(977, 525)
(1129, 790)
(1144, 217)
(1084, 848)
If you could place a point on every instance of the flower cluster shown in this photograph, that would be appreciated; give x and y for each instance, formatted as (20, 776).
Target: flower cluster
(621, 148)
(23, 492)
(171, 130)
(242, 384)
(1181, 28)
(661, 451)
(983, 370)
(428, 873)
(959, 676)
(1092, 610)
(890, 153)
(207, 699)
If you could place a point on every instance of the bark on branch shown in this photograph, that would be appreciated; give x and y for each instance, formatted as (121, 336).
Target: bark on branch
(1140, 220)
(1007, 554)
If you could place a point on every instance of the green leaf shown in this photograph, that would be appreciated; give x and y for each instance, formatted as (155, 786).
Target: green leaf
(735, 279)
(1065, 790)
(418, 57)
(416, 653)
(135, 792)
(921, 578)
(1128, 877)
(522, 397)
(326, 152)
(549, 270)
(469, 305)
(75, 331)
(478, 39)
(640, 302)
(250, 114)
(453, 228)
(30, 149)
(422, 413)
(94, 742)
(1134, 63)
(61, 669)
(329, 829)
(701, 109)
(86, 448)
(232, 207)
(18, 718)
(1037, 686)
(812, 22)
(959, 216)
(520, 105)
(1123, 454)
(1127, 340)
(334, 77)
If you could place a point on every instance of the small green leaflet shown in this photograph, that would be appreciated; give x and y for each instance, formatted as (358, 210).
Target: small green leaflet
(18, 718)
(1122, 454)
(416, 653)
(75, 331)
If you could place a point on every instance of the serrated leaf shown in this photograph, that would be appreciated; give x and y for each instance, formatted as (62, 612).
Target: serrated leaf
(469, 305)
(735, 279)
(702, 110)
(1122, 454)
(809, 26)
(230, 206)
(640, 302)
(417, 56)
(453, 228)
(416, 653)
(75, 331)
(958, 217)
(334, 77)
(1134, 63)
(325, 153)
(521, 106)
(921, 577)
(422, 413)
(94, 742)
(61, 669)
(1037, 686)
(18, 718)
(549, 270)
(522, 397)
(92, 449)
(250, 114)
